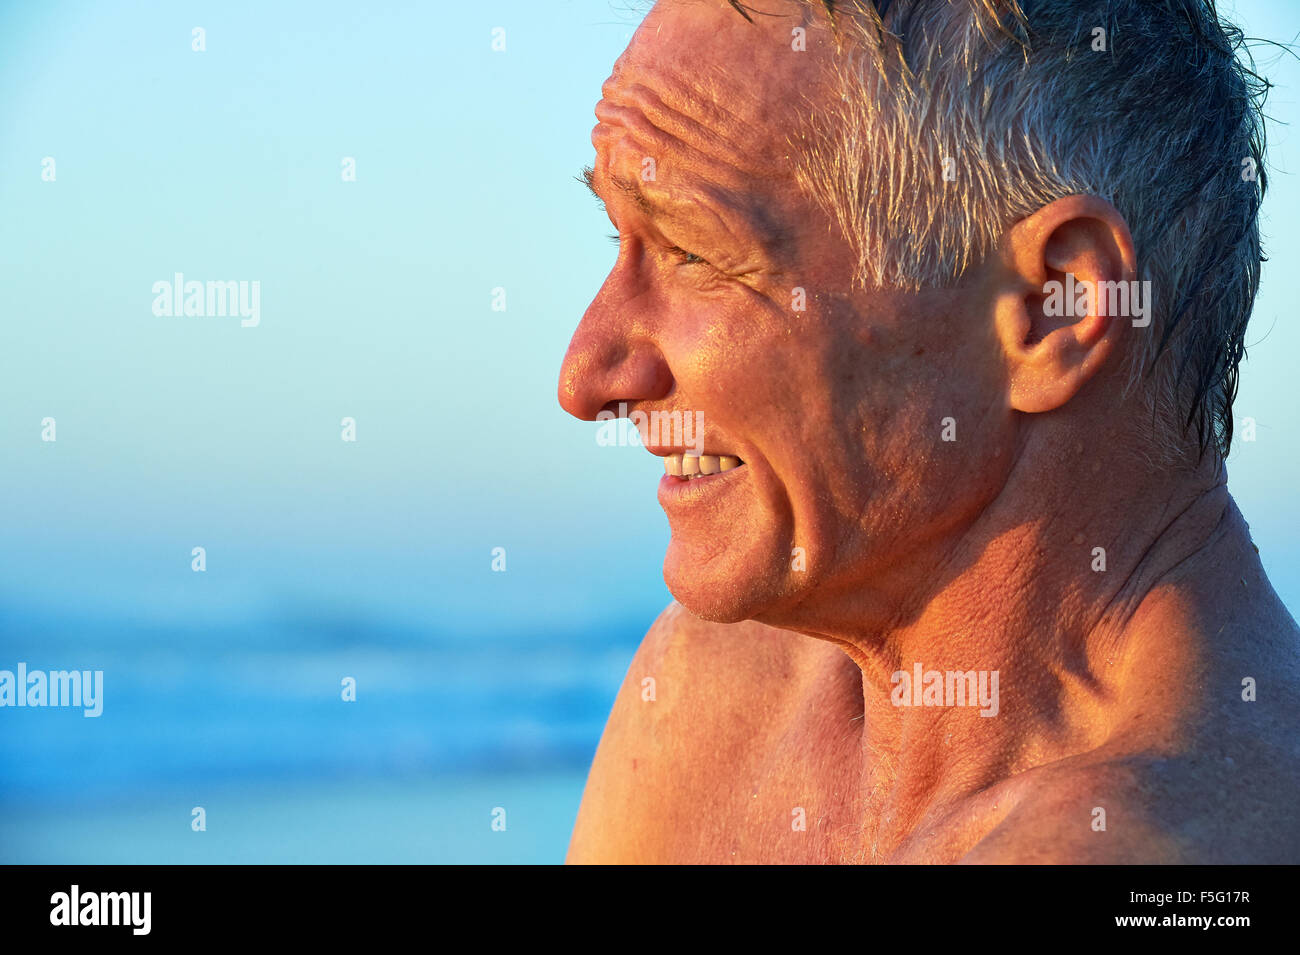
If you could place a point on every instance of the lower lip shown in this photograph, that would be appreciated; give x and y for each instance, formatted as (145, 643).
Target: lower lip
(676, 490)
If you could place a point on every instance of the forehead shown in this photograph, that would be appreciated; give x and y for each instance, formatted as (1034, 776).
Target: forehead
(700, 83)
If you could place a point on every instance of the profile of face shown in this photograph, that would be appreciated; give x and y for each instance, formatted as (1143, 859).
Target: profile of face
(872, 425)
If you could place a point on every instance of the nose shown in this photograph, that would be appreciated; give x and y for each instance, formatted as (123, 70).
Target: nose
(610, 359)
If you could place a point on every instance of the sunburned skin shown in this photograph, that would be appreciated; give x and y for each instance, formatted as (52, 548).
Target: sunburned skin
(853, 543)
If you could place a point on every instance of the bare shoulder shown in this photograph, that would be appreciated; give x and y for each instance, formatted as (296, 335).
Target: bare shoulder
(1205, 806)
(1216, 786)
(1079, 812)
(695, 696)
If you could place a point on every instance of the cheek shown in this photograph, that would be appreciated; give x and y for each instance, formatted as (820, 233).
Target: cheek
(905, 429)
(935, 441)
(733, 357)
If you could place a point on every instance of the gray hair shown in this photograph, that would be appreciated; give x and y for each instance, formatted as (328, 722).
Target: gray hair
(1165, 123)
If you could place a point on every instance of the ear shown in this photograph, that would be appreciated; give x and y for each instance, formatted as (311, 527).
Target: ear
(1052, 316)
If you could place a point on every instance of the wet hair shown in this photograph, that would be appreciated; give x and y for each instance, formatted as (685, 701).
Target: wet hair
(1153, 105)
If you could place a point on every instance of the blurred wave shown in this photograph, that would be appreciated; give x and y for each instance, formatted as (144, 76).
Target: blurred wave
(261, 699)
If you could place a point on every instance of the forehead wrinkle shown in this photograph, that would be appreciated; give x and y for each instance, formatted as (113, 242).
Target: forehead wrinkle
(629, 125)
(690, 103)
(697, 119)
(713, 129)
(678, 166)
(627, 138)
(627, 130)
(744, 219)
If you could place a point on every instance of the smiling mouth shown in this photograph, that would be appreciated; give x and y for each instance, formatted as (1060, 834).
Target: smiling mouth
(689, 466)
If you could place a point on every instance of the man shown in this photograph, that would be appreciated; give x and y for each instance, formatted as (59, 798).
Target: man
(954, 294)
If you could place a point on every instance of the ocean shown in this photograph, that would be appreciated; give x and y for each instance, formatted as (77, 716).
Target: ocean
(453, 750)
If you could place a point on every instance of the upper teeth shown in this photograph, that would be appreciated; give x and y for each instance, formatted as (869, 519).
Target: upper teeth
(689, 465)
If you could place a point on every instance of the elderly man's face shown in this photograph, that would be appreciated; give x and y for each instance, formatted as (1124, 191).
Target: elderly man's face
(834, 399)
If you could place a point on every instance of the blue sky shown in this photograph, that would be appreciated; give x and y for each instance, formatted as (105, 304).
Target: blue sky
(376, 304)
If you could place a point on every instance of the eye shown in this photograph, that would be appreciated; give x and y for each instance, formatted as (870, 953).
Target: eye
(615, 238)
(687, 258)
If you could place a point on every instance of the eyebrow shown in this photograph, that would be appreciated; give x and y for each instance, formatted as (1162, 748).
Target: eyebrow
(770, 235)
(626, 186)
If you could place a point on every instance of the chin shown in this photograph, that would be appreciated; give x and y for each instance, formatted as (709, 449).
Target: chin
(721, 587)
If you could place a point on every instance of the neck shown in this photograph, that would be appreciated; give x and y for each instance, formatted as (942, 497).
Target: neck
(1055, 637)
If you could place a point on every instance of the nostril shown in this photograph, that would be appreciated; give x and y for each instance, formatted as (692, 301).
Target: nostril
(607, 362)
(589, 386)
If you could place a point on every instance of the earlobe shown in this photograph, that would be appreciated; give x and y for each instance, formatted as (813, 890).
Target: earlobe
(1058, 319)
(1054, 374)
